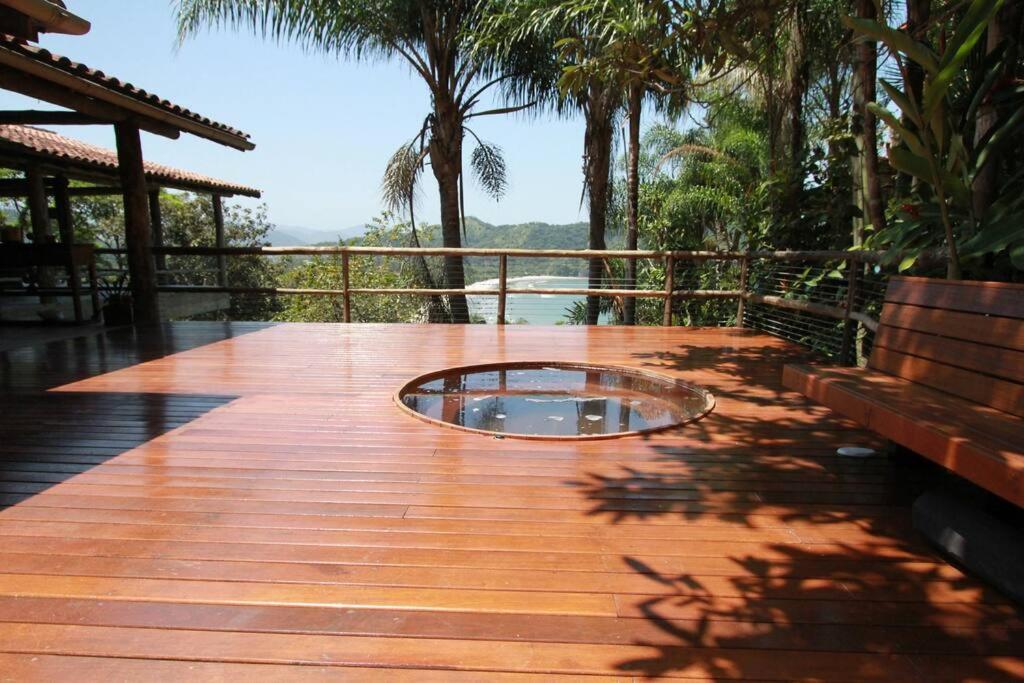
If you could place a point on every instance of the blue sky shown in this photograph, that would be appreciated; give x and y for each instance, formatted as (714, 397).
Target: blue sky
(324, 128)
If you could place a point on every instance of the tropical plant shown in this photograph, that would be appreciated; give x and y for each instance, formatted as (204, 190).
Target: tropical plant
(534, 28)
(365, 272)
(438, 40)
(633, 46)
(936, 147)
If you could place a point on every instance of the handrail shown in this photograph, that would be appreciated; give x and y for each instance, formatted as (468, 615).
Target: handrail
(683, 255)
(846, 311)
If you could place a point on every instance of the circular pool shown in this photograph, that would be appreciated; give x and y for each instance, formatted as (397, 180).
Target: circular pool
(553, 400)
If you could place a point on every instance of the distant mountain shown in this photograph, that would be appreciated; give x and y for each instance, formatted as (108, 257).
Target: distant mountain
(298, 236)
(534, 235)
(526, 236)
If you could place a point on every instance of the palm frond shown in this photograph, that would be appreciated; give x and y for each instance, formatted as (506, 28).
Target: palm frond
(400, 185)
(488, 165)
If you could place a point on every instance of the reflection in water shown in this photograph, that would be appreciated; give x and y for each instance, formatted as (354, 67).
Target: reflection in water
(546, 400)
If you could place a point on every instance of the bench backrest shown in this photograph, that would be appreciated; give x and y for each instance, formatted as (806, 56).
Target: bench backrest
(963, 338)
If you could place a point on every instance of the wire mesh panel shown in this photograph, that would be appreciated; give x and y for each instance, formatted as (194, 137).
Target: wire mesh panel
(808, 303)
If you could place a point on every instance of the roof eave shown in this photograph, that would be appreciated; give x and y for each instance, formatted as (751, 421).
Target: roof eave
(131, 105)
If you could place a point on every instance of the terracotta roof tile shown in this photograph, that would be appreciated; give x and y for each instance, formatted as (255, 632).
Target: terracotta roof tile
(37, 141)
(123, 87)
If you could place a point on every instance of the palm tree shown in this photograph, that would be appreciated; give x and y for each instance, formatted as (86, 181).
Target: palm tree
(436, 38)
(533, 31)
(638, 49)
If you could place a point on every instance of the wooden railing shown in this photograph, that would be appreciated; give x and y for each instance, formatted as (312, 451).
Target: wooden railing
(845, 311)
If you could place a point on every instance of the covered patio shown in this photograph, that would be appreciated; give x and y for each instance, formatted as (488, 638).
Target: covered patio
(218, 500)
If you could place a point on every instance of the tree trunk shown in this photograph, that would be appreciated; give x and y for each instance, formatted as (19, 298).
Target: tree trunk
(600, 111)
(446, 162)
(799, 68)
(918, 14)
(632, 198)
(838, 203)
(866, 128)
(986, 182)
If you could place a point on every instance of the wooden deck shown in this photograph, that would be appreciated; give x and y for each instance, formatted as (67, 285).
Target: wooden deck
(225, 502)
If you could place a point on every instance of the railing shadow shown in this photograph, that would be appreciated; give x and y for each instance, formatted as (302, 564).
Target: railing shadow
(50, 432)
(46, 366)
(53, 437)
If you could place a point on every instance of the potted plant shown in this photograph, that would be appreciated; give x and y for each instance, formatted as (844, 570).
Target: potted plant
(117, 301)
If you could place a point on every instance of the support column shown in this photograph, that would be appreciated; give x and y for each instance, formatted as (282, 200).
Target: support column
(62, 204)
(39, 213)
(66, 227)
(141, 267)
(156, 221)
(38, 205)
(218, 224)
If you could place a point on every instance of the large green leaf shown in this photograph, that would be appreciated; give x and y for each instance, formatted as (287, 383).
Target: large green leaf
(1017, 257)
(906, 161)
(912, 164)
(971, 28)
(995, 237)
(998, 136)
(904, 133)
(908, 107)
(968, 33)
(896, 41)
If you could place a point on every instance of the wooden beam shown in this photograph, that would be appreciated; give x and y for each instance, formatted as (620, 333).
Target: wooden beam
(35, 117)
(141, 266)
(58, 82)
(40, 89)
(218, 225)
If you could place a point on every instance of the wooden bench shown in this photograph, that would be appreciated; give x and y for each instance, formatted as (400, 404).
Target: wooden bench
(945, 379)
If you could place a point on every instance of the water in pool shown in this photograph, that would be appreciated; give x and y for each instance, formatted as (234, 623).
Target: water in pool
(556, 401)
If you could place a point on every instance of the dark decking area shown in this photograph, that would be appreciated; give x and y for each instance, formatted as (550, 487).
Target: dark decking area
(206, 500)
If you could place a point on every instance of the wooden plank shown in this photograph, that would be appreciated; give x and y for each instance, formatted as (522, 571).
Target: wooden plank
(991, 361)
(25, 667)
(998, 637)
(1007, 396)
(235, 500)
(986, 298)
(1002, 332)
(986, 463)
(480, 656)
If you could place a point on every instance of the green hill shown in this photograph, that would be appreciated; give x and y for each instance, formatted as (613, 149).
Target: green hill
(525, 236)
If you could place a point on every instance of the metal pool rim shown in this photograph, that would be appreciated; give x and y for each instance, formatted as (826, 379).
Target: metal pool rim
(709, 398)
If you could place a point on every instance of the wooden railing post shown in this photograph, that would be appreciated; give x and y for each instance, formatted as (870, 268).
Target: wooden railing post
(846, 355)
(741, 305)
(502, 287)
(670, 288)
(346, 295)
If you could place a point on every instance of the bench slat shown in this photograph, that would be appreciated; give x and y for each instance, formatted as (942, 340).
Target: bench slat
(997, 393)
(902, 411)
(1000, 363)
(1004, 332)
(987, 298)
